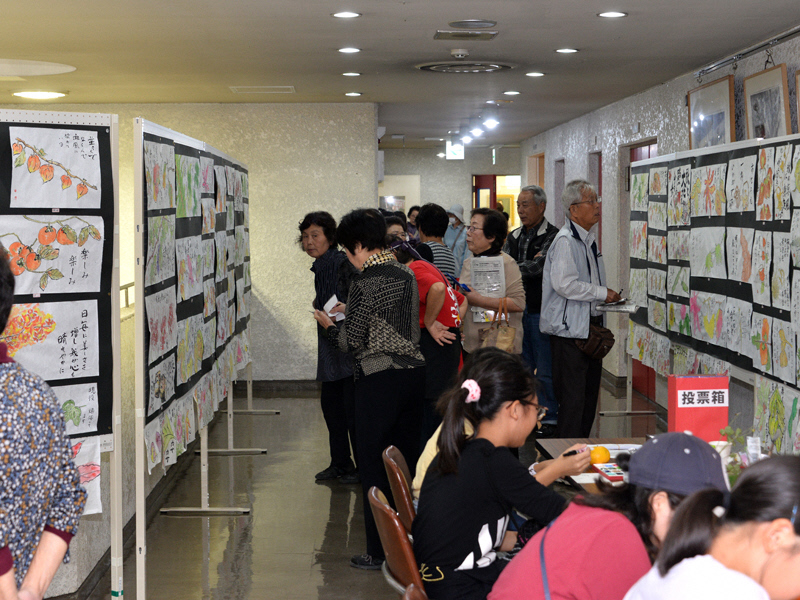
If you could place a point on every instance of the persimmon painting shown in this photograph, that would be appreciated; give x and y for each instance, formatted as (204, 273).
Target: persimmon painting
(784, 352)
(54, 168)
(761, 339)
(86, 456)
(658, 181)
(781, 256)
(762, 260)
(50, 254)
(739, 246)
(765, 173)
(782, 183)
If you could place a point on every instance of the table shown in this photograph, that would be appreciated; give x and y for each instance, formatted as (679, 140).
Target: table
(551, 448)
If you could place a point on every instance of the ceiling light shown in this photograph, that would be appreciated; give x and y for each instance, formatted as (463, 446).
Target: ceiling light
(346, 15)
(353, 50)
(612, 14)
(535, 74)
(475, 127)
(472, 24)
(490, 118)
(441, 155)
(566, 50)
(466, 139)
(511, 93)
(40, 95)
(353, 94)
(10, 67)
(351, 74)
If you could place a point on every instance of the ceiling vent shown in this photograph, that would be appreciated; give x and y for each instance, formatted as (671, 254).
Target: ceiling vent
(262, 89)
(461, 66)
(465, 36)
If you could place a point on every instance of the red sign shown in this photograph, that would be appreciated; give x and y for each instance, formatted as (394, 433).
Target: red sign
(698, 403)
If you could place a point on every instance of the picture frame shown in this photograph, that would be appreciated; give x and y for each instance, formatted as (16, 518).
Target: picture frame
(711, 114)
(766, 99)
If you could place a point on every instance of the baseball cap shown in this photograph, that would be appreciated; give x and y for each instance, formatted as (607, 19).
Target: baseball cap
(677, 462)
(457, 210)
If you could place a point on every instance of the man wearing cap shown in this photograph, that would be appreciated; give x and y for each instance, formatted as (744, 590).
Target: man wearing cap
(455, 237)
(528, 245)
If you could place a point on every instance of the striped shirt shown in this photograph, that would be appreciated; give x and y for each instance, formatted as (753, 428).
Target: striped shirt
(443, 258)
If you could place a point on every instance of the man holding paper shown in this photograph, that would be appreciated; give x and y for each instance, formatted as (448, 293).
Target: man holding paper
(574, 284)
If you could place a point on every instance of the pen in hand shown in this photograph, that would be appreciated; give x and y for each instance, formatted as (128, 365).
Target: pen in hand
(573, 452)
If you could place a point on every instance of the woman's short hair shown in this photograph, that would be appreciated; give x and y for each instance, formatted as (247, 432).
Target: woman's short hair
(495, 226)
(393, 220)
(365, 226)
(432, 220)
(412, 209)
(322, 219)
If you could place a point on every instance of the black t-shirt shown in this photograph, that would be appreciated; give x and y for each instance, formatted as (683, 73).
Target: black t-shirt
(462, 518)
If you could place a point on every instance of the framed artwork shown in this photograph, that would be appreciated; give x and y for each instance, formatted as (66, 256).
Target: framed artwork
(711, 116)
(766, 100)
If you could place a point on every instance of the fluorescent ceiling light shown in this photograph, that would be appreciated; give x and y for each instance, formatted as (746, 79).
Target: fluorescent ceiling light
(465, 138)
(511, 93)
(535, 74)
(40, 95)
(351, 74)
(441, 155)
(475, 127)
(353, 94)
(346, 14)
(349, 50)
(566, 50)
(612, 14)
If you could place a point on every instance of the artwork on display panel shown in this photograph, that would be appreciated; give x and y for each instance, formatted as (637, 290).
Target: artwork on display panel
(187, 184)
(762, 260)
(736, 326)
(223, 320)
(781, 256)
(662, 346)
(160, 264)
(657, 283)
(79, 407)
(230, 244)
(794, 184)
(707, 316)
(55, 340)
(230, 177)
(796, 301)
(189, 258)
(657, 215)
(153, 443)
(162, 384)
(86, 456)
(54, 168)
(794, 236)
(221, 189)
(208, 257)
(638, 286)
(657, 249)
(159, 165)
(766, 98)
(239, 245)
(209, 336)
(162, 322)
(639, 191)
(51, 254)
(711, 114)
(206, 175)
(708, 191)
(678, 245)
(679, 318)
(740, 182)
(247, 281)
(761, 340)
(638, 239)
(190, 348)
(765, 174)
(707, 252)
(658, 181)
(209, 297)
(209, 214)
(203, 394)
(684, 360)
(775, 416)
(782, 182)
(221, 249)
(679, 192)
(678, 280)
(739, 246)
(784, 351)
(711, 365)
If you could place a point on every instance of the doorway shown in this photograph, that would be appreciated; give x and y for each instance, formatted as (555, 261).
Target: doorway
(496, 191)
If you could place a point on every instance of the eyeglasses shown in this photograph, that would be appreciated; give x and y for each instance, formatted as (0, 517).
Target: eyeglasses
(473, 228)
(595, 201)
(541, 411)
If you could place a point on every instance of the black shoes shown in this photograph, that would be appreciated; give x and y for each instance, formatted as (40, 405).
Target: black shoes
(349, 475)
(366, 562)
(350, 478)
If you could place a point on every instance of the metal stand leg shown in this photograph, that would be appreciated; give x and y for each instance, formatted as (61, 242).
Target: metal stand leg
(250, 410)
(230, 450)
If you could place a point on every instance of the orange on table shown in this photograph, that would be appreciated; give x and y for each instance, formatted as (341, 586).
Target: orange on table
(600, 455)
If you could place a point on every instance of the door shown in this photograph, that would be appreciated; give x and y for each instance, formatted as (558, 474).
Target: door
(484, 191)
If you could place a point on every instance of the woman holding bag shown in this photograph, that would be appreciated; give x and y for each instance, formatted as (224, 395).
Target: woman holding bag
(486, 235)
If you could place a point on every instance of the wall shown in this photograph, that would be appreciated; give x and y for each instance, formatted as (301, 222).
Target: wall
(449, 182)
(407, 186)
(660, 114)
(301, 157)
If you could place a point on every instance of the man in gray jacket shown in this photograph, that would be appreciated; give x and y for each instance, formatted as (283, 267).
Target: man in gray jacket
(574, 283)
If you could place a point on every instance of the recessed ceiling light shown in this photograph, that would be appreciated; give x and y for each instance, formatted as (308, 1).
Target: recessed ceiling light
(40, 95)
(441, 155)
(349, 50)
(566, 50)
(346, 14)
(612, 14)
(351, 74)
(353, 94)
(511, 93)
(535, 74)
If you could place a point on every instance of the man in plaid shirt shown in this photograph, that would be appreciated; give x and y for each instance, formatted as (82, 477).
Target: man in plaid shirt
(528, 245)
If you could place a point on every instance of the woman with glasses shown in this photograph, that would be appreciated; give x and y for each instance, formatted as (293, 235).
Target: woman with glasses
(486, 235)
(475, 481)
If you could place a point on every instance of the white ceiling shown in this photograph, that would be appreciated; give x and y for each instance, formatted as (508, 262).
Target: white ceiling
(137, 51)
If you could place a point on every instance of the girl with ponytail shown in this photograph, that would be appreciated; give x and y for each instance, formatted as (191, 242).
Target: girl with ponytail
(475, 481)
(739, 545)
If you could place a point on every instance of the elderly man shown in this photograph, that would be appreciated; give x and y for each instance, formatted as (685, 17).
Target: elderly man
(455, 237)
(528, 245)
(574, 284)
(40, 491)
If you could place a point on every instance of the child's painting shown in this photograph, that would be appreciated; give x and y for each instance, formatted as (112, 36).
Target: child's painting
(638, 287)
(162, 384)
(639, 191)
(784, 352)
(707, 252)
(656, 283)
(187, 179)
(708, 191)
(638, 239)
(783, 182)
(678, 281)
(762, 260)
(189, 257)
(761, 340)
(162, 322)
(79, 407)
(707, 316)
(679, 318)
(160, 264)
(740, 183)
(736, 327)
(657, 249)
(739, 244)
(159, 170)
(781, 256)
(765, 172)
(678, 244)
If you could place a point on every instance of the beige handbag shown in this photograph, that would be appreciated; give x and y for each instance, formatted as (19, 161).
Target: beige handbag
(498, 335)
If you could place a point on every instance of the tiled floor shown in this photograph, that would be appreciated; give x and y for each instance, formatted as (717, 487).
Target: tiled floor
(298, 539)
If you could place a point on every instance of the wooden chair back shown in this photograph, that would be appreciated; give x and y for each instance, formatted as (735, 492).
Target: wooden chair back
(414, 593)
(400, 482)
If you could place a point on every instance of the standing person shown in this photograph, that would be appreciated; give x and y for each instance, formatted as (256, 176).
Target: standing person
(475, 481)
(574, 283)
(528, 245)
(332, 275)
(40, 492)
(432, 225)
(396, 227)
(412, 223)
(733, 546)
(455, 237)
(485, 237)
(381, 331)
(627, 522)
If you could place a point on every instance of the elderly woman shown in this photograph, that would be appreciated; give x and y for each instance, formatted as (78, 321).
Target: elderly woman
(382, 332)
(332, 275)
(486, 235)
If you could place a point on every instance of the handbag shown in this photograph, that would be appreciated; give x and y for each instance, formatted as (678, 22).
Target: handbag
(598, 344)
(498, 335)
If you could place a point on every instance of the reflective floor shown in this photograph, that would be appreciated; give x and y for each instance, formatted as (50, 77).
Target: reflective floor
(298, 539)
